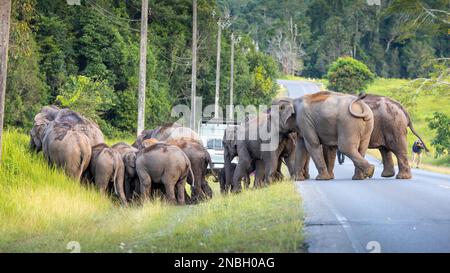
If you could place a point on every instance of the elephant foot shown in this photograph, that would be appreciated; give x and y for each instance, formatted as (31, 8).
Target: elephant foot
(404, 175)
(358, 177)
(388, 173)
(298, 177)
(323, 177)
(370, 171)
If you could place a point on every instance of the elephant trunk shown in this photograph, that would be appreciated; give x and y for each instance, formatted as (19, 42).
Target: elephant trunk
(227, 166)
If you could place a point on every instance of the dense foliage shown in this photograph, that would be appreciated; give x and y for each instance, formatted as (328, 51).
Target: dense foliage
(348, 75)
(393, 40)
(77, 56)
(441, 123)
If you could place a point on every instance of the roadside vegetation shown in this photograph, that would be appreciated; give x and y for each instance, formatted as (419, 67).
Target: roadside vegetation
(41, 210)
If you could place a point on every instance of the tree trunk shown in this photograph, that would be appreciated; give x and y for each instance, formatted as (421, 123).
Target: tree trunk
(216, 100)
(142, 67)
(194, 65)
(5, 10)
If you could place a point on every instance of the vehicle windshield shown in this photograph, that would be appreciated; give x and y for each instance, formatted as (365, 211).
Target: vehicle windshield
(215, 144)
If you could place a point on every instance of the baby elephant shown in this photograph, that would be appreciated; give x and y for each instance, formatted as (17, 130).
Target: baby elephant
(107, 167)
(165, 164)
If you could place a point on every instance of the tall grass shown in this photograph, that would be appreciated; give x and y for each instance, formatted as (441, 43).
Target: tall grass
(41, 210)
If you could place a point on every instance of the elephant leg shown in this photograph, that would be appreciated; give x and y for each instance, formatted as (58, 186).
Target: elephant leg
(102, 181)
(301, 158)
(169, 187)
(241, 170)
(187, 198)
(401, 152)
(388, 163)
(362, 167)
(259, 174)
(329, 153)
(316, 151)
(145, 184)
(127, 188)
(306, 165)
(180, 188)
(197, 192)
(270, 165)
(207, 189)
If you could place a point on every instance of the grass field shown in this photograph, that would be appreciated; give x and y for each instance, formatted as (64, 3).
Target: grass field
(41, 210)
(426, 106)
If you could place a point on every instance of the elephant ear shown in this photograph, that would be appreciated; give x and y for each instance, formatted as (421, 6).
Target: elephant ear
(286, 111)
(40, 119)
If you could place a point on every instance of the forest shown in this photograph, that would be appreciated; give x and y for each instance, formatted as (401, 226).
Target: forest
(87, 56)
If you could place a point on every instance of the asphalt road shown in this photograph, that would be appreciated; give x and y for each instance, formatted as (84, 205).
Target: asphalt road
(374, 215)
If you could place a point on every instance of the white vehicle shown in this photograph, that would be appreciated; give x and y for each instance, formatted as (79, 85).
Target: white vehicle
(211, 133)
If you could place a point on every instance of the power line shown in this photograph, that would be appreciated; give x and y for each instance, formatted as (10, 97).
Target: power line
(111, 13)
(112, 20)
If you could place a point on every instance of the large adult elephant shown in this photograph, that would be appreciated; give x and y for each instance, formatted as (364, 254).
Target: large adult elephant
(66, 118)
(166, 132)
(335, 120)
(389, 136)
(200, 160)
(165, 164)
(258, 142)
(66, 148)
(66, 139)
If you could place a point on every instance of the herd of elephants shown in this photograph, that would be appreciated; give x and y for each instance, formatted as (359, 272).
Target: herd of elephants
(166, 158)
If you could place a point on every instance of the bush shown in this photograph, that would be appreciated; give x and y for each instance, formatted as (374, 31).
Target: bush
(348, 75)
(90, 97)
(441, 123)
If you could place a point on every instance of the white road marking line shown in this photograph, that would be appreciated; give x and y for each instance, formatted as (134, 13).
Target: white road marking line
(356, 245)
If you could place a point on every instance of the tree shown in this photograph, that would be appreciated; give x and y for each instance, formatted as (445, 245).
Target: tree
(348, 75)
(441, 123)
(5, 10)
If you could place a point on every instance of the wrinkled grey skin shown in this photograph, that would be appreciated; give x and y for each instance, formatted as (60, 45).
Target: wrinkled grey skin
(335, 120)
(65, 118)
(67, 149)
(200, 159)
(131, 183)
(250, 150)
(66, 138)
(107, 167)
(165, 164)
(389, 135)
(166, 132)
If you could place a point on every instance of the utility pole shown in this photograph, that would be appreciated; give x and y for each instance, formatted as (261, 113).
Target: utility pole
(234, 40)
(142, 67)
(5, 11)
(194, 65)
(216, 98)
(222, 23)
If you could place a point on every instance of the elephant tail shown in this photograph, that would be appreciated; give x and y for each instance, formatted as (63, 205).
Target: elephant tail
(366, 115)
(190, 168)
(411, 127)
(116, 182)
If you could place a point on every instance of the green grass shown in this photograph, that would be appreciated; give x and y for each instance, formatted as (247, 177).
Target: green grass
(426, 106)
(41, 210)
